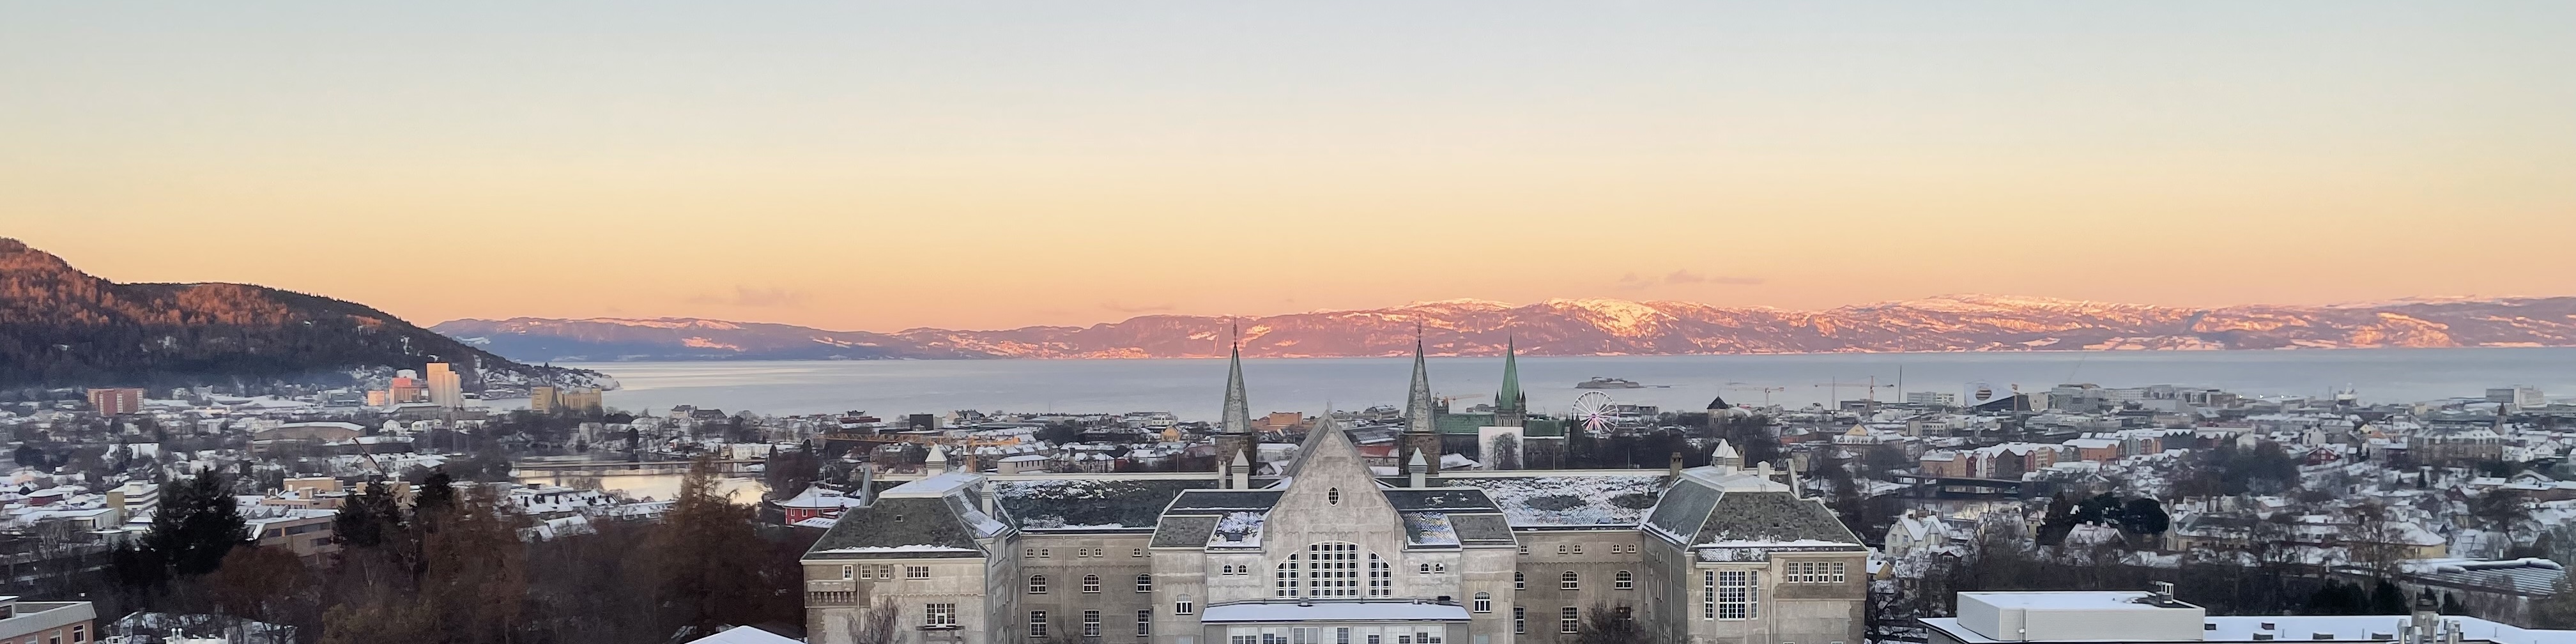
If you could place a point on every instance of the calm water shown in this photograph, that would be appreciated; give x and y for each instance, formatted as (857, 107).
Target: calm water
(1193, 388)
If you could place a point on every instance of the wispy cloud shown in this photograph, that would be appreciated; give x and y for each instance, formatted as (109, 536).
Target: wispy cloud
(1633, 281)
(1137, 308)
(745, 296)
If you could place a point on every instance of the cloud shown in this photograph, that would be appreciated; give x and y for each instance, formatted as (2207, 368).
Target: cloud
(1632, 281)
(1686, 277)
(745, 296)
(1140, 308)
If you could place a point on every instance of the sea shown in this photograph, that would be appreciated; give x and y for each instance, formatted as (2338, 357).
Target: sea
(1193, 388)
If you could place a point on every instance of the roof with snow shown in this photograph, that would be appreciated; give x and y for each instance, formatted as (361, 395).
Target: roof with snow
(1581, 501)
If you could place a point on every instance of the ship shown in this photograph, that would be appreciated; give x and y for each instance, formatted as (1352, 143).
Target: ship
(1605, 382)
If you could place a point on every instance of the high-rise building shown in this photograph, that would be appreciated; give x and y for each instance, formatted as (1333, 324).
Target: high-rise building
(581, 400)
(2517, 396)
(404, 388)
(116, 401)
(445, 388)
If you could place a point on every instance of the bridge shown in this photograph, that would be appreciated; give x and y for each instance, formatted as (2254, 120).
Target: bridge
(1922, 486)
(617, 468)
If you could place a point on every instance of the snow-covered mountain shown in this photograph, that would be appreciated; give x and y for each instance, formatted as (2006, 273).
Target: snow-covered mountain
(1588, 327)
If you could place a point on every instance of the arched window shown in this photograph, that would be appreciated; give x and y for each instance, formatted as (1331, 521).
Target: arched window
(1520, 581)
(1336, 568)
(1381, 578)
(1625, 581)
(1090, 583)
(1333, 496)
(1144, 583)
(1037, 584)
(1570, 581)
(1484, 602)
(1425, 569)
(1182, 606)
(1286, 583)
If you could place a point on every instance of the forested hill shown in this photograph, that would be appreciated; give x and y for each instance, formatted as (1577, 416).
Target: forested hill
(62, 327)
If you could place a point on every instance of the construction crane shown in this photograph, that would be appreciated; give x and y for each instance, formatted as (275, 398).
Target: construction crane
(1870, 390)
(1445, 400)
(1766, 392)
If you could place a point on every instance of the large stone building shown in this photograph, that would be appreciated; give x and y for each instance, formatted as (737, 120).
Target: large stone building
(1325, 551)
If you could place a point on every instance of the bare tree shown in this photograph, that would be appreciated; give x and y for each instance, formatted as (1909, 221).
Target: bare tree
(1505, 453)
(875, 624)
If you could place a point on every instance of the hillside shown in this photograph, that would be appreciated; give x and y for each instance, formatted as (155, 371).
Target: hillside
(1588, 327)
(62, 327)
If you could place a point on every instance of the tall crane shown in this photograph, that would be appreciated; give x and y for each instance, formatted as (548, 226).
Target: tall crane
(1870, 390)
(1766, 392)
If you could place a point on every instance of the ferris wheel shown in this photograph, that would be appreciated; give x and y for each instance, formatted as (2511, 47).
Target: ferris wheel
(1593, 408)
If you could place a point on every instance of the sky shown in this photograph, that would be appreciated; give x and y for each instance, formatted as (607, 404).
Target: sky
(886, 165)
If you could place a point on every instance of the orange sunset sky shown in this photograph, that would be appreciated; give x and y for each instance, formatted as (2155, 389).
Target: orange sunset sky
(880, 166)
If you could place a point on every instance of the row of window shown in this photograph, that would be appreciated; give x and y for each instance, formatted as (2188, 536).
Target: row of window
(1572, 580)
(1090, 584)
(1568, 619)
(1090, 623)
(1082, 553)
(1815, 572)
(883, 572)
(1577, 548)
(1341, 635)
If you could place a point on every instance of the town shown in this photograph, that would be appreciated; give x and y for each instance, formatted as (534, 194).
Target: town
(246, 516)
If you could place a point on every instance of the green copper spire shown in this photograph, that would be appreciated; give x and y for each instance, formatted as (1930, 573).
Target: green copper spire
(1510, 399)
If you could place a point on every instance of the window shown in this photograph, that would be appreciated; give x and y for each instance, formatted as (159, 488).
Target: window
(80, 633)
(1144, 583)
(1043, 554)
(1037, 623)
(1578, 548)
(939, 616)
(1439, 568)
(1037, 584)
(1090, 583)
(1734, 594)
(1343, 635)
(1708, 595)
(1520, 620)
(1182, 606)
(1333, 496)
(1562, 549)
(1285, 584)
(1624, 581)
(1139, 553)
(1484, 602)
(1031, 553)
(1524, 548)
(1090, 623)
(1520, 581)
(1816, 572)
(1381, 577)
(916, 572)
(1337, 568)
(849, 572)
(1569, 581)
(1426, 569)
(1569, 620)
(1144, 623)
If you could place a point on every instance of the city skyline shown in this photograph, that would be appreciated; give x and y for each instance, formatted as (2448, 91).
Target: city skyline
(894, 167)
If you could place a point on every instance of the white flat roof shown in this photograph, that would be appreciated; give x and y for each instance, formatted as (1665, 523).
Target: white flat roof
(2066, 600)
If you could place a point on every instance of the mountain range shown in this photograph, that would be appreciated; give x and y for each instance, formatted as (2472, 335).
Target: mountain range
(63, 327)
(1583, 327)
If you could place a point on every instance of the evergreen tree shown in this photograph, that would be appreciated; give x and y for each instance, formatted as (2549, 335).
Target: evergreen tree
(2386, 599)
(197, 524)
(2145, 516)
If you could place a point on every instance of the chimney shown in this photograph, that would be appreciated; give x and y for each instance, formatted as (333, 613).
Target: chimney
(867, 484)
(991, 490)
(1240, 471)
(1673, 472)
(1417, 468)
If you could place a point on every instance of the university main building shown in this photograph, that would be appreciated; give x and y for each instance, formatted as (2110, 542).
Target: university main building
(1323, 550)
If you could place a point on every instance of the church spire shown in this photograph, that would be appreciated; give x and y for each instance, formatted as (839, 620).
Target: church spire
(1238, 410)
(1511, 398)
(1417, 402)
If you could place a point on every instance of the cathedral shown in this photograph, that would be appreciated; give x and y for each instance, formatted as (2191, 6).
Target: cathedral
(1325, 550)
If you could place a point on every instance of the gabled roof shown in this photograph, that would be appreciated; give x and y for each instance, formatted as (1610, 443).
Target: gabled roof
(899, 528)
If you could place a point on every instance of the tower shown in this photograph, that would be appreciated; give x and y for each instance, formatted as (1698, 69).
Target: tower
(1511, 406)
(1234, 436)
(1421, 430)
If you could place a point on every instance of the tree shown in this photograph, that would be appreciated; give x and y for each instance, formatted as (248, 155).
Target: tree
(1505, 453)
(877, 624)
(197, 525)
(2386, 599)
(259, 583)
(2060, 520)
(1608, 625)
(2144, 516)
(708, 572)
(369, 518)
(2338, 598)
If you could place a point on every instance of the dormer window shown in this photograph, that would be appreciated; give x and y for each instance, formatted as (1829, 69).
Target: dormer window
(1333, 496)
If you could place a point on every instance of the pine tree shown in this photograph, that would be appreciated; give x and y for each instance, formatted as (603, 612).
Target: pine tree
(197, 524)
